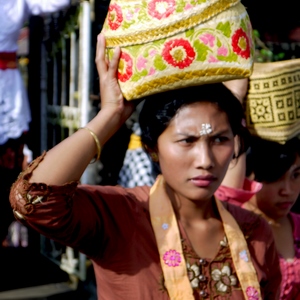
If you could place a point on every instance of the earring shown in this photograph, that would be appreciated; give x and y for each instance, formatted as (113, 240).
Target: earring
(154, 156)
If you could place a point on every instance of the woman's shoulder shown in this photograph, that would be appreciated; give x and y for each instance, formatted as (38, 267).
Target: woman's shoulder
(240, 214)
(250, 223)
(141, 193)
(138, 195)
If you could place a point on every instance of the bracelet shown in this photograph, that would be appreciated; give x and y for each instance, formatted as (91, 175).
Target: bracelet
(96, 142)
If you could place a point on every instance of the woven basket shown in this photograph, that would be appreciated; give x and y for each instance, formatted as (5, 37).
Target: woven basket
(169, 44)
(273, 103)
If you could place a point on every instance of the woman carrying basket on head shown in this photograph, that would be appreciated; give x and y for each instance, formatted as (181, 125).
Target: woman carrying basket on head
(174, 240)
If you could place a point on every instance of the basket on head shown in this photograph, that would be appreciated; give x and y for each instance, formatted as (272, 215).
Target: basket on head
(169, 44)
(272, 105)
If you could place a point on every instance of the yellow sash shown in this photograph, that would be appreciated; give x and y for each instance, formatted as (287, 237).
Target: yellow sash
(134, 142)
(172, 260)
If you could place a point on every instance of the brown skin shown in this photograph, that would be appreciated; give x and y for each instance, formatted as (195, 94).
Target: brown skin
(206, 155)
(275, 201)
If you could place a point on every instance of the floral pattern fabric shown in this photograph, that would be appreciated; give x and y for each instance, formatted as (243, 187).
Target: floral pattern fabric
(168, 42)
(211, 276)
(216, 276)
(290, 287)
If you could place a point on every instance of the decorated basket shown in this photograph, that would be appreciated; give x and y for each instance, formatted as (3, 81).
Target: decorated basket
(169, 44)
(273, 102)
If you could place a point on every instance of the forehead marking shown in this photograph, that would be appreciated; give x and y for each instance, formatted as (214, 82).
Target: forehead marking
(206, 129)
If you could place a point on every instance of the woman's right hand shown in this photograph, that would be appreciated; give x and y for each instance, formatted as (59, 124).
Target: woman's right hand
(112, 100)
(73, 154)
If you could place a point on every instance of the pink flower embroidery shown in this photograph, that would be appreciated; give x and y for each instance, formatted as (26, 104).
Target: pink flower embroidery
(212, 59)
(141, 63)
(178, 53)
(188, 6)
(160, 9)
(151, 71)
(252, 293)
(125, 67)
(240, 43)
(207, 39)
(129, 15)
(115, 17)
(223, 51)
(172, 258)
(152, 52)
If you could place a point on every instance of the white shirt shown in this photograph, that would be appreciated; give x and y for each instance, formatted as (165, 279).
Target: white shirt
(14, 106)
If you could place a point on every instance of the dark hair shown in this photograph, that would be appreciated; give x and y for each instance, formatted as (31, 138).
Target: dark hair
(158, 110)
(269, 160)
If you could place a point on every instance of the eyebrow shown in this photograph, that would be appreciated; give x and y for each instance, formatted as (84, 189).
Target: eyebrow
(225, 131)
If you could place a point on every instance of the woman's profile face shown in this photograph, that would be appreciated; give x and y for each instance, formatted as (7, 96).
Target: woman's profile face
(276, 199)
(195, 150)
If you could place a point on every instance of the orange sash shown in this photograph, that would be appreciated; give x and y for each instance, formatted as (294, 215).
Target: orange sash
(172, 259)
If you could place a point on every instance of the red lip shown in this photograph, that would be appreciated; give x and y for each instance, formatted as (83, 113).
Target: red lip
(284, 205)
(203, 181)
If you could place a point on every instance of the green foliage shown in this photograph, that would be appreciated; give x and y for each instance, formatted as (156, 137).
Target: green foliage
(262, 52)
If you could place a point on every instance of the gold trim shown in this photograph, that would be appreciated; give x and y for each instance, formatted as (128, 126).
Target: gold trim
(18, 215)
(277, 134)
(148, 35)
(158, 84)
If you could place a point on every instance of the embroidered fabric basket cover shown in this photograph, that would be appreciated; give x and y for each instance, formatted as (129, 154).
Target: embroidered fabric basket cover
(169, 44)
(272, 106)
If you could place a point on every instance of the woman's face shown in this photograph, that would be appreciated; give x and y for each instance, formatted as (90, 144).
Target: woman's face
(276, 199)
(195, 150)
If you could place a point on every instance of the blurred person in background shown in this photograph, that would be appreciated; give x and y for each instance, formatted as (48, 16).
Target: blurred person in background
(15, 115)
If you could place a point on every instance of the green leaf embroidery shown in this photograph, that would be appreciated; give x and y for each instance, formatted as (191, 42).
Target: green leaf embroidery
(189, 32)
(138, 75)
(126, 25)
(229, 58)
(196, 2)
(180, 6)
(202, 50)
(143, 13)
(135, 77)
(243, 25)
(159, 63)
(225, 28)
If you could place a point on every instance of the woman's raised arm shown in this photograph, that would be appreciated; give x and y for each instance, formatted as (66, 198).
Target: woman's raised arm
(67, 161)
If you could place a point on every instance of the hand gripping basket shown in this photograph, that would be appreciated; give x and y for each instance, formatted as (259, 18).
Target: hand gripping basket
(169, 44)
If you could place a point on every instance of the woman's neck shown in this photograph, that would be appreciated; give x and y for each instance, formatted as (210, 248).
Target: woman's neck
(190, 211)
(282, 231)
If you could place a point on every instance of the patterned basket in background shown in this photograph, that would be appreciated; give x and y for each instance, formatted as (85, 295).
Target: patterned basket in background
(273, 103)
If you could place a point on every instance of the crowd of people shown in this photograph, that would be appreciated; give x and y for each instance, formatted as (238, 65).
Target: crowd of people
(202, 208)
